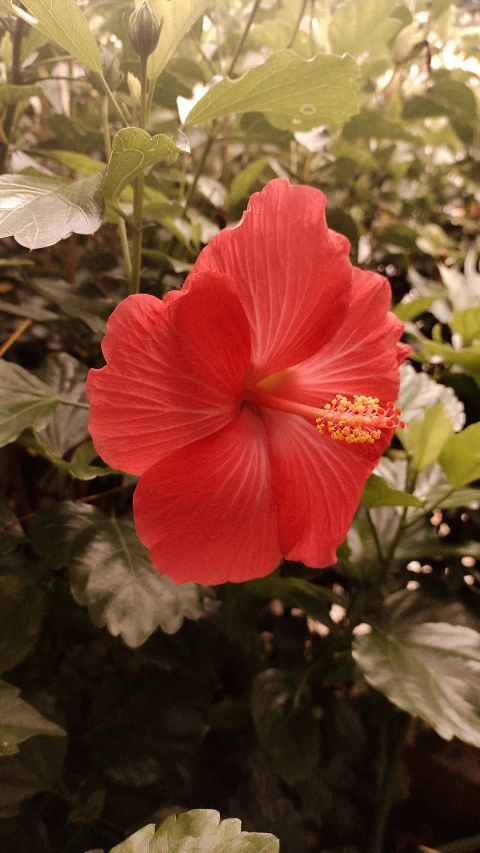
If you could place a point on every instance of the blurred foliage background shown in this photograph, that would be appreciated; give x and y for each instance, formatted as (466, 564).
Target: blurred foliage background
(338, 710)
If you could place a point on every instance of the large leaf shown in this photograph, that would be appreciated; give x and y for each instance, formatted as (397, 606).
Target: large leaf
(294, 93)
(68, 426)
(63, 22)
(418, 393)
(178, 18)
(10, 95)
(19, 721)
(425, 437)
(198, 831)
(286, 724)
(111, 574)
(21, 613)
(431, 670)
(39, 212)
(460, 456)
(25, 401)
(133, 152)
(377, 492)
(363, 27)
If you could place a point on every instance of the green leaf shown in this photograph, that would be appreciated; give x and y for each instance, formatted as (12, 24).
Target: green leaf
(11, 95)
(92, 312)
(467, 324)
(377, 492)
(39, 211)
(409, 310)
(60, 524)
(133, 152)
(425, 437)
(418, 393)
(178, 17)
(447, 97)
(285, 724)
(371, 124)
(460, 456)
(198, 831)
(21, 614)
(19, 721)
(242, 183)
(80, 163)
(25, 310)
(328, 86)
(25, 402)
(68, 426)
(468, 357)
(63, 22)
(363, 27)
(111, 574)
(79, 470)
(430, 670)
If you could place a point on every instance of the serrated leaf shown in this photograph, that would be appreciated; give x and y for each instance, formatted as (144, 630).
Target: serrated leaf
(139, 842)
(178, 18)
(68, 426)
(285, 724)
(39, 211)
(25, 402)
(19, 720)
(63, 22)
(11, 95)
(418, 393)
(60, 524)
(425, 437)
(133, 152)
(430, 670)
(363, 27)
(202, 830)
(377, 492)
(460, 456)
(328, 86)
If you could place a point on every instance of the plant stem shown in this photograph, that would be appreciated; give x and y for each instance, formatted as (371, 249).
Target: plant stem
(122, 228)
(376, 540)
(243, 37)
(134, 284)
(393, 741)
(76, 403)
(14, 79)
(13, 337)
(297, 25)
(114, 101)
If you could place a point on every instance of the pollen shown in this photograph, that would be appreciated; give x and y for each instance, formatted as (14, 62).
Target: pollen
(360, 421)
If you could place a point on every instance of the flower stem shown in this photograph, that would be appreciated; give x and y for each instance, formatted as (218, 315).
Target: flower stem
(297, 25)
(134, 284)
(14, 79)
(122, 229)
(77, 403)
(243, 37)
(393, 741)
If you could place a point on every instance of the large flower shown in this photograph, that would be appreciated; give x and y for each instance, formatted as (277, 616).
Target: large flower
(244, 401)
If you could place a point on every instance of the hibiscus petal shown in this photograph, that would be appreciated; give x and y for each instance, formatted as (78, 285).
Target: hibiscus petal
(175, 373)
(361, 358)
(318, 484)
(292, 274)
(207, 513)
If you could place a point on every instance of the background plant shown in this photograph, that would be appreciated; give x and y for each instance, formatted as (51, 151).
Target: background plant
(308, 704)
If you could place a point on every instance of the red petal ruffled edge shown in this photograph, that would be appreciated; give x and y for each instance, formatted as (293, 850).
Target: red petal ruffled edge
(292, 274)
(207, 513)
(175, 373)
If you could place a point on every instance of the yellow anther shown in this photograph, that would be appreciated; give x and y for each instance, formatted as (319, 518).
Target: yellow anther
(359, 421)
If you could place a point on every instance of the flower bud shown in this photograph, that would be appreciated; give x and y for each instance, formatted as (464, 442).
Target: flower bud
(145, 30)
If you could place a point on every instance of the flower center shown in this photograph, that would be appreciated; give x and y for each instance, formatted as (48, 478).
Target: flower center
(357, 422)
(360, 421)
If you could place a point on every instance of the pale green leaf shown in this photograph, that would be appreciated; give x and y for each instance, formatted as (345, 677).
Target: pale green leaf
(133, 152)
(63, 22)
(460, 456)
(39, 211)
(139, 842)
(32, 311)
(178, 18)
(19, 721)
(202, 830)
(363, 27)
(25, 402)
(418, 393)
(377, 492)
(294, 93)
(467, 324)
(75, 160)
(425, 437)
(468, 357)
(430, 670)
(409, 310)
(243, 182)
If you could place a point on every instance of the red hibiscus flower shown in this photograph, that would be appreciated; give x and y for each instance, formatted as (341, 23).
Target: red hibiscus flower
(223, 396)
